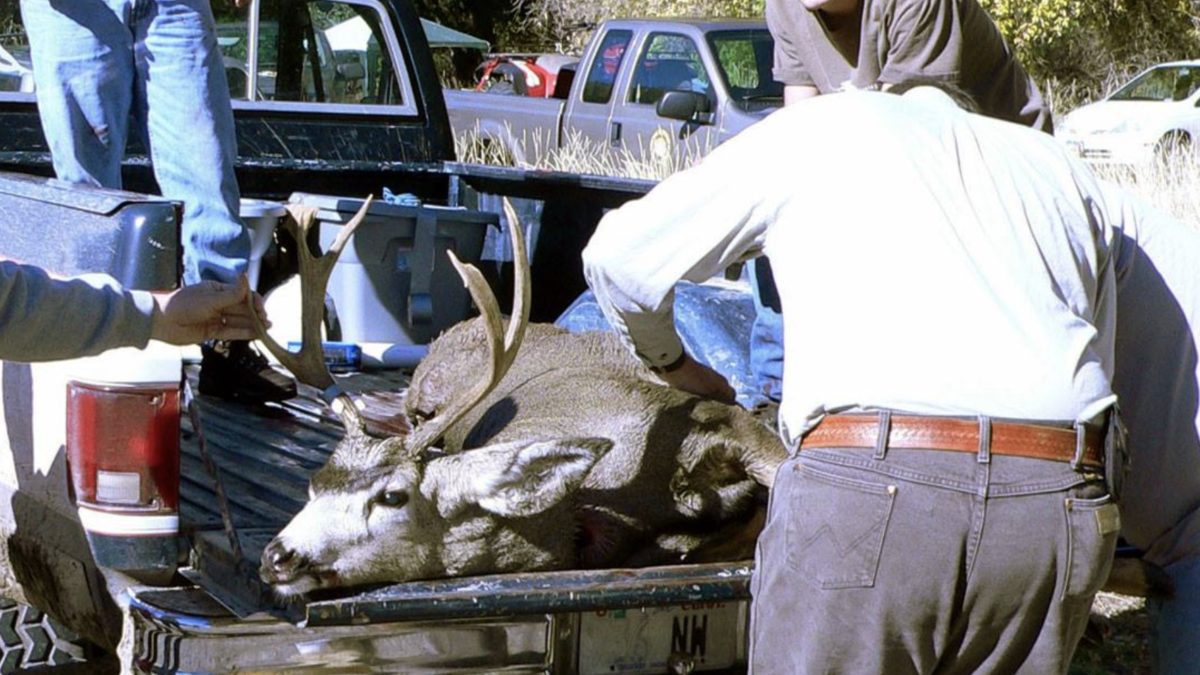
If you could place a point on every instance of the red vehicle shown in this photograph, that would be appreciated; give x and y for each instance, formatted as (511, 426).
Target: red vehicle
(521, 74)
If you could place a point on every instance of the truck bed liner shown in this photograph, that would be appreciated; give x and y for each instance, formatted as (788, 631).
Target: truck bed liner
(265, 454)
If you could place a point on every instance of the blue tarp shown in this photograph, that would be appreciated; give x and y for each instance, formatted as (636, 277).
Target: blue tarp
(713, 320)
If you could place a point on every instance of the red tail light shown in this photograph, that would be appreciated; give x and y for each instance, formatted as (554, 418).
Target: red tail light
(123, 456)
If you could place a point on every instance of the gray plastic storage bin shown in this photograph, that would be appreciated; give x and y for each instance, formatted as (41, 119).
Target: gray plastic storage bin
(394, 283)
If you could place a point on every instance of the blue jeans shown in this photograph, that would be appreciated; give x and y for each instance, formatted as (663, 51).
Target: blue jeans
(766, 335)
(104, 67)
(1175, 623)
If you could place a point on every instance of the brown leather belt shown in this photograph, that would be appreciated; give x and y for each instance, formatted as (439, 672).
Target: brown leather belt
(960, 435)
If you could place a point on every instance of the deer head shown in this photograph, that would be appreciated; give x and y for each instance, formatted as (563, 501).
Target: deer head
(397, 507)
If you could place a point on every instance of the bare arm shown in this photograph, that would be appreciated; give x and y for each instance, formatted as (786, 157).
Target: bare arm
(793, 93)
(696, 378)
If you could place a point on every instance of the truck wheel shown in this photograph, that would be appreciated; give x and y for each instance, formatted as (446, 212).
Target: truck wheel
(29, 638)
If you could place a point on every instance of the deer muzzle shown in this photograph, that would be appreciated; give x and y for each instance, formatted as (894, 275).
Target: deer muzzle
(282, 565)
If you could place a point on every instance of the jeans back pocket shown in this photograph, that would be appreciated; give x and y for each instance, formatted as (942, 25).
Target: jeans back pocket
(836, 527)
(1092, 527)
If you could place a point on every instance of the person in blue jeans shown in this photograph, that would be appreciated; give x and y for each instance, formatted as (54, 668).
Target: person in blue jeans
(107, 68)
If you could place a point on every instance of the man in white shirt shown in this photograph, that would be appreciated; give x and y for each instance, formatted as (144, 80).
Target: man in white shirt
(948, 286)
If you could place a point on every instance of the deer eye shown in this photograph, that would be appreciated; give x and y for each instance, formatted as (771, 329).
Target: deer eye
(392, 498)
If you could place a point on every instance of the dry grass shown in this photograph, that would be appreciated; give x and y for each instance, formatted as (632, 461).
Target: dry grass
(1172, 186)
(1117, 640)
(576, 154)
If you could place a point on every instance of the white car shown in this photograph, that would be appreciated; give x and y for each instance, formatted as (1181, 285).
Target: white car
(1154, 115)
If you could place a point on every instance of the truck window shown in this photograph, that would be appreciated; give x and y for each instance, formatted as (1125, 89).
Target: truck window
(16, 69)
(603, 72)
(669, 62)
(313, 52)
(744, 62)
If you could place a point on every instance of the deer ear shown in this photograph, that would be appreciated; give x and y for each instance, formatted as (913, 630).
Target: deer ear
(527, 479)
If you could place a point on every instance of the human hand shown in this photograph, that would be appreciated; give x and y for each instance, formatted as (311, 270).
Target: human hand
(697, 378)
(209, 310)
(241, 3)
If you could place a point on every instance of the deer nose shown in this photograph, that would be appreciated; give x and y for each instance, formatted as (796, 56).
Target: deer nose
(280, 562)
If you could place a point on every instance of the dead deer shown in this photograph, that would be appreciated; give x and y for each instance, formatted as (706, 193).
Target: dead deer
(530, 449)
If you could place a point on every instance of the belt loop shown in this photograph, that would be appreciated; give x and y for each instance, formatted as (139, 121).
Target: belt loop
(1080, 444)
(985, 439)
(885, 430)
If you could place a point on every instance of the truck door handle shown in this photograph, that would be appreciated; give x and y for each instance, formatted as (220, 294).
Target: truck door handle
(614, 133)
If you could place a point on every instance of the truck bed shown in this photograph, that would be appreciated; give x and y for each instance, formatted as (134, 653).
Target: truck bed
(265, 454)
(546, 622)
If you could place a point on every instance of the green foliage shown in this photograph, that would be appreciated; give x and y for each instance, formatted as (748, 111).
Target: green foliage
(737, 60)
(11, 31)
(567, 23)
(1074, 49)
(1078, 50)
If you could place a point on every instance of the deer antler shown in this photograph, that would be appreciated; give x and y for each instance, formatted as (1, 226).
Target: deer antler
(308, 364)
(502, 349)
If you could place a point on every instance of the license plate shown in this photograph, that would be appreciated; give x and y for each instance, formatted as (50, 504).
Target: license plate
(643, 640)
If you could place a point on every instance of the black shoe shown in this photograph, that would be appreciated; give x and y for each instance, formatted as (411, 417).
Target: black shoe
(235, 371)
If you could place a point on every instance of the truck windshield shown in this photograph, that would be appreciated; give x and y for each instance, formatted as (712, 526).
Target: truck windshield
(745, 58)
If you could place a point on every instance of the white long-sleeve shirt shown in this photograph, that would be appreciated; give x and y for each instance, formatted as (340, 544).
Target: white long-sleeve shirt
(927, 259)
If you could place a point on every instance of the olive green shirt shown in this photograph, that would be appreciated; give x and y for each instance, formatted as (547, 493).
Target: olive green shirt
(949, 40)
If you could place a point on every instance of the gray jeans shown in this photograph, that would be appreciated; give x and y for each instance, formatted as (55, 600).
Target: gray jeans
(926, 561)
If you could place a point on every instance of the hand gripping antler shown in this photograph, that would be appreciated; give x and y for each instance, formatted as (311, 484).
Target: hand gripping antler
(502, 349)
(308, 365)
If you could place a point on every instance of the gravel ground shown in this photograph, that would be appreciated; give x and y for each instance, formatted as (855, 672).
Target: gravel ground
(1117, 641)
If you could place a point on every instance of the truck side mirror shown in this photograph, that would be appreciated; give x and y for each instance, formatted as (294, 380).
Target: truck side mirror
(686, 106)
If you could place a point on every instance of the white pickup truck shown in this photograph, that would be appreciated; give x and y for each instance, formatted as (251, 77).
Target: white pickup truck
(646, 89)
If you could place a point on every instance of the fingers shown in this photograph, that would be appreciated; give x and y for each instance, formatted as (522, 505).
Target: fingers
(229, 301)
(239, 317)
(230, 329)
(208, 310)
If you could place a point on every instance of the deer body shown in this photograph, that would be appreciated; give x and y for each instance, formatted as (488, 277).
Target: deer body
(535, 450)
(676, 461)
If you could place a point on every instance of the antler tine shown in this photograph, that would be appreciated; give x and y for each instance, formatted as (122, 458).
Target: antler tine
(522, 284)
(502, 349)
(309, 363)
